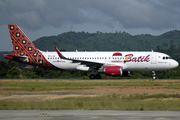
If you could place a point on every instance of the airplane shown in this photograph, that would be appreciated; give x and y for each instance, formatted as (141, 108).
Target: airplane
(115, 63)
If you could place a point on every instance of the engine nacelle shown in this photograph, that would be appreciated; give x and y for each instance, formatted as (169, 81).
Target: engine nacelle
(114, 70)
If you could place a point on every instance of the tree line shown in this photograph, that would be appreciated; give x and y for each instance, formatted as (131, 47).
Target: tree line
(9, 69)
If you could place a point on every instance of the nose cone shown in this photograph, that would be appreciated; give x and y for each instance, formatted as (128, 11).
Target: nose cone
(175, 64)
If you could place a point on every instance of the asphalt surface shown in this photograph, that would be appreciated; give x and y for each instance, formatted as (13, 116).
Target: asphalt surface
(87, 115)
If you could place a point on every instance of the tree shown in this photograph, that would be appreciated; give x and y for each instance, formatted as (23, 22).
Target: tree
(13, 73)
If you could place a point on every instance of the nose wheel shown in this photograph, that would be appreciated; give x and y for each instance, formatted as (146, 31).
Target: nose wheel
(153, 75)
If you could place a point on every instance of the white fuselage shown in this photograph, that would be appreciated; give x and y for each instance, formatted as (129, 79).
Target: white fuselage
(129, 61)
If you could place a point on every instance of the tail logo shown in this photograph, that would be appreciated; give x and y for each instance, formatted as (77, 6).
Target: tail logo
(24, 47)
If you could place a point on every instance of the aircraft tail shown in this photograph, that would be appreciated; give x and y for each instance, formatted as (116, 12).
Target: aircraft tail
(24, 50)
(21, 43)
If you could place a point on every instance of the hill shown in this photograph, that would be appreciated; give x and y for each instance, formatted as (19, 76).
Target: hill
(119, 41)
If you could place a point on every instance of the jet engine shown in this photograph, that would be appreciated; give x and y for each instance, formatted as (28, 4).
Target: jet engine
(113, 70)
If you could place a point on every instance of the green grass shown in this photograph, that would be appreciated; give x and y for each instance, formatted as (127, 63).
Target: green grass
(113, 102)
(110, 102)
(47, 88)
(172, 87)
(157, 96)
(78, 83)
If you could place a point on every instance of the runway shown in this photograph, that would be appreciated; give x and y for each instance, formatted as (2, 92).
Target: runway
(87, 115)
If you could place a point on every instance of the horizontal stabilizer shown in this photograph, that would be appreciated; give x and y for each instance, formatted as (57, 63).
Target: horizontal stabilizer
(12, 56)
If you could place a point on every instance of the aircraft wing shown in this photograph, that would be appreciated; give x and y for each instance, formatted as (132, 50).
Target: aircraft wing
(96, 65)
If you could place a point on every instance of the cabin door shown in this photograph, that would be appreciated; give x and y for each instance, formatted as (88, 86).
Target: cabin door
(153, 58)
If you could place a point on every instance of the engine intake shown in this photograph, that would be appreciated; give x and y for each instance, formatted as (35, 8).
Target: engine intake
(114, 70)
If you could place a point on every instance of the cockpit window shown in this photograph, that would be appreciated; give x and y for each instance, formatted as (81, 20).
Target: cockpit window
(165, 58)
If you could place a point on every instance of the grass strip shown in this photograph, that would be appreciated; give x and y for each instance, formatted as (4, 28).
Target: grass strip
(114, 102)
(78, 83)
(46, 88)
(157, 96)
(172, 87)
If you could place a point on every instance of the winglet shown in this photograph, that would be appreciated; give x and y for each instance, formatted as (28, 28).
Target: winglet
(58, 52)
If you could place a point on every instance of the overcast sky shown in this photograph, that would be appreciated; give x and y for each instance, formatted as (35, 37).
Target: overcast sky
(38, 18)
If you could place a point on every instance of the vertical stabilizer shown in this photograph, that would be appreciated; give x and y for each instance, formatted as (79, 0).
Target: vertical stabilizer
(23, 47)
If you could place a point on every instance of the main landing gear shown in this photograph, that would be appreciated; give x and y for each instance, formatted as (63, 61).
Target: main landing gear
(153, 75)
(93, 76)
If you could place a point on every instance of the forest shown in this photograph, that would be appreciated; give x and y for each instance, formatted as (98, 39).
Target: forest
(168, 43)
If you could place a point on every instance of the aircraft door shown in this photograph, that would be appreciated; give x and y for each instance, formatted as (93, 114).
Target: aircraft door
(153, 58)
(108, 59)
(105, 59)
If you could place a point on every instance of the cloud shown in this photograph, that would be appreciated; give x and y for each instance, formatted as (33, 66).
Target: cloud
(129, 14)
(39, 18)
(139, 13)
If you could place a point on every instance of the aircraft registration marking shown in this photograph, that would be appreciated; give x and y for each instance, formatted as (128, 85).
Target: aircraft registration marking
(59, 61)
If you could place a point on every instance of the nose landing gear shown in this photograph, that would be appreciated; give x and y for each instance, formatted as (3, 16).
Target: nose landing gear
(153, 75)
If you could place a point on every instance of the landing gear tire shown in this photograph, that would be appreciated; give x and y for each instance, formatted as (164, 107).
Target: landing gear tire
(92, 76)
(98, 76)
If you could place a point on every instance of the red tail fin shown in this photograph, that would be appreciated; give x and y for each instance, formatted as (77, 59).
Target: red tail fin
(21, 44)
(24, 47)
